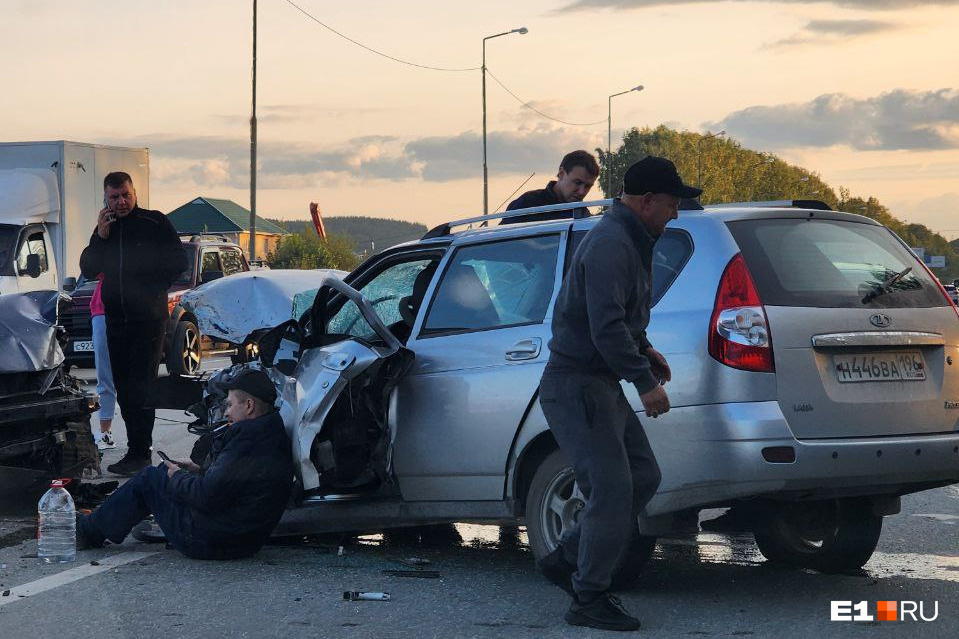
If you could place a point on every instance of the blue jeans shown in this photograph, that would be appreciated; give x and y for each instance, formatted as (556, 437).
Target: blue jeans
(134, 501)
(101, 359)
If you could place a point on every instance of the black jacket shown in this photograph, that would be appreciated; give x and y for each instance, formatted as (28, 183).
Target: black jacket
(541, 197)
(602, 311)
(238, 500)
(140, 260)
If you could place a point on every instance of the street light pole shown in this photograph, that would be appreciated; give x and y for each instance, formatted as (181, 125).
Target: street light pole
(521, 31)
(699, 156)
(609, 138)
(766, 161)
(253, 150)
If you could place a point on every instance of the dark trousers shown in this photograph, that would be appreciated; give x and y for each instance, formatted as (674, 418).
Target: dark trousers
(135, 350)
(136, 499)
(615, 468)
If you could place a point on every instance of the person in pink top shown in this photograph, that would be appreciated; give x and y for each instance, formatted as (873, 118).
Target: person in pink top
(101, 358)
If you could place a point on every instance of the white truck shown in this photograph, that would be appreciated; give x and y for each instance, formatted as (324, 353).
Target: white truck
(50, 195)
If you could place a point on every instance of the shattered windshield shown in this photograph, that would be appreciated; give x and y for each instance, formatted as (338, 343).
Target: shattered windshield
(8, 246)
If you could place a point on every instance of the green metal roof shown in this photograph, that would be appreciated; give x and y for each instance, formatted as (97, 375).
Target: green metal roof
(210, 215)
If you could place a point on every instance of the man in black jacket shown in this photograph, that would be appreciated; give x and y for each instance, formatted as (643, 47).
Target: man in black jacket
(577, 174)
(599, 338)
(139, 255)
(224, 510)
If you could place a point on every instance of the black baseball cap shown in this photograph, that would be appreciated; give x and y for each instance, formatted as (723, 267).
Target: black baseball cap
(254, 382)
(656, 175)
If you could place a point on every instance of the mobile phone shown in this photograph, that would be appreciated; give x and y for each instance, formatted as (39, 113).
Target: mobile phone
(166, 458)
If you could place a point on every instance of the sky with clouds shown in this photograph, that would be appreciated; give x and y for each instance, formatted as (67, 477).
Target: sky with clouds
(865, 92)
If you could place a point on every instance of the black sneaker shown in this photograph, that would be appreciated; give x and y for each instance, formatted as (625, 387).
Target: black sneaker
(129, 465)
(556, 569)
(87, 536)
(604, 611)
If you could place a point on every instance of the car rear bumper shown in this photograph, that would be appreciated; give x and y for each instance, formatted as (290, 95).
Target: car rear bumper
(713, 454)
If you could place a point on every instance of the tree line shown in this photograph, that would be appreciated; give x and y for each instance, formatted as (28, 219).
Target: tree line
(727, 172)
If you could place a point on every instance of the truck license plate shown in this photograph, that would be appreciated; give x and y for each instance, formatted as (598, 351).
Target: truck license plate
(83, 346)
(901, 366)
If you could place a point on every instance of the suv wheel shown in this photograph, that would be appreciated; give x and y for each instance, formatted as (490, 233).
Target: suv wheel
(831, 535)
(185, 349)
(553, 505)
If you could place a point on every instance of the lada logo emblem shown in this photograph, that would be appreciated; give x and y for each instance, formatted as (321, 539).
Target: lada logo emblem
(880, 320)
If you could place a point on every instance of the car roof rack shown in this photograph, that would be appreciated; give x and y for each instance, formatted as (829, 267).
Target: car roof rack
(819, 205)
(207, 237)
(569, 207)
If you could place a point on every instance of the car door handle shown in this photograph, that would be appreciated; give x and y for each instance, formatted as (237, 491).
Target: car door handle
(524, 349)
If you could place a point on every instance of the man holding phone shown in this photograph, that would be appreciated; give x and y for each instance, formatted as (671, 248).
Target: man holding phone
(140, 255)
(224, 509)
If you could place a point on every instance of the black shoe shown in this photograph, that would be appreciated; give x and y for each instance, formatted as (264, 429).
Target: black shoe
(559, 571)
(148, 531)
(604, 611)
(130, 465)
(87, 536)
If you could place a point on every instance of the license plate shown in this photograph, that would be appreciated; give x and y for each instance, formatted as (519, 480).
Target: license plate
(83, 346)
(900, 366)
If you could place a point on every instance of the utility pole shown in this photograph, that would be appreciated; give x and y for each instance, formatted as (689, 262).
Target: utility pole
(253, 150)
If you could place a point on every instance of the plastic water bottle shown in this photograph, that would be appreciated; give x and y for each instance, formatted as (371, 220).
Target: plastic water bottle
(57, 532)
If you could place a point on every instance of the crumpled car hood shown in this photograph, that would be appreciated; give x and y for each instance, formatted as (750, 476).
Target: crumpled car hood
(233, 307)
(28, 337)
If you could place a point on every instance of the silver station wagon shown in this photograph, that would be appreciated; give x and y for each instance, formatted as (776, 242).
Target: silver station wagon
(815, 381)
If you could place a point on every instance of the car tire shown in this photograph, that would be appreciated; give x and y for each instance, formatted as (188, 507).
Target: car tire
(186, 351)
(830, 535)
(553, 504)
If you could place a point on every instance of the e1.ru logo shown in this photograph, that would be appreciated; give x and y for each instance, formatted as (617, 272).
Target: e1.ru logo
(885, 611)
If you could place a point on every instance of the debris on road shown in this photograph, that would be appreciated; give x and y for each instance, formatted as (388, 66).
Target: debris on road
(356, 595)
(419, 574)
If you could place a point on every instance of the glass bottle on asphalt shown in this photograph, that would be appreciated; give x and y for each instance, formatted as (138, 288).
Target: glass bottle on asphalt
(57, 530)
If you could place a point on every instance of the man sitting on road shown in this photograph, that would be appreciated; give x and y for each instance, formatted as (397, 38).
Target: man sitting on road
(225, 510)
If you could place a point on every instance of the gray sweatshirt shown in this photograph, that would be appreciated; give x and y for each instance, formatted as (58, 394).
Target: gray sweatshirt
(601, 315)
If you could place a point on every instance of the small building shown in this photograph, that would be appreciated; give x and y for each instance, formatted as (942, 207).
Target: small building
(227, 218)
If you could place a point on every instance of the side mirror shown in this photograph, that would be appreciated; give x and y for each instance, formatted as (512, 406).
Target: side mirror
(209, 276)
(33, 265)
(70, 284)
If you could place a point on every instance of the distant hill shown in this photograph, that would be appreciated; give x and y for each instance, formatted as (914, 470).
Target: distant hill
(366, 232)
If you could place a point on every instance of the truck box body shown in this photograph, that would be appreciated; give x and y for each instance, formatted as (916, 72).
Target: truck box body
(79, 170)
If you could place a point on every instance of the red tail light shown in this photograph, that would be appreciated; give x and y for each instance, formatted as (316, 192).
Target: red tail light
(738, 330)
(171, 302)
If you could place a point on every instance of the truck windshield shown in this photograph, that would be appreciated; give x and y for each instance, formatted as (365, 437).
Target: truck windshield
(8, 247)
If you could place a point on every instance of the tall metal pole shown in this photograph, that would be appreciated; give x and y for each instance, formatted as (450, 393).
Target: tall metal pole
(253, 150)
(485, 170)
(521, 31)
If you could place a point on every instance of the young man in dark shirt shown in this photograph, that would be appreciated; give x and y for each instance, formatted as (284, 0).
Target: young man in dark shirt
(577, 174)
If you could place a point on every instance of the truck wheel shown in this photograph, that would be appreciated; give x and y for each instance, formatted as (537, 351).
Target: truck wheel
(185, 353)
(830, 535)
(553, 505)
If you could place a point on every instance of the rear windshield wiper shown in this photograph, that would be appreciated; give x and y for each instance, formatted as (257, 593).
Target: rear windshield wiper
(884, 287)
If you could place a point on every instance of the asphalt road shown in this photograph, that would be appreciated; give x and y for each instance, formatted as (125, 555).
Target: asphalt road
(705, 585)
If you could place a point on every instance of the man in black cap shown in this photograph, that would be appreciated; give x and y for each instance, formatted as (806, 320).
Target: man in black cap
(223, 510)
(599, 338)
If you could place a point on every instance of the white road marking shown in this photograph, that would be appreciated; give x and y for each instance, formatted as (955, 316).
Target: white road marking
(19, 593)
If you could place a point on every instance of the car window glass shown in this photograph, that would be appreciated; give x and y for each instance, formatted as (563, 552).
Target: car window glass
(832, 264)
(211, 262)
(232, 261)
(386, 291)
(186, 277)
(670, 255)
(32, 245)
(494, 285)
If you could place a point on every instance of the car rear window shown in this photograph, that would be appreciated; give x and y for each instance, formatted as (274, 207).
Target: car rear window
(832, 264)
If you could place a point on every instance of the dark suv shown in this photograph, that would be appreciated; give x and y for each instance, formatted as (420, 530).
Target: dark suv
(209, 257)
